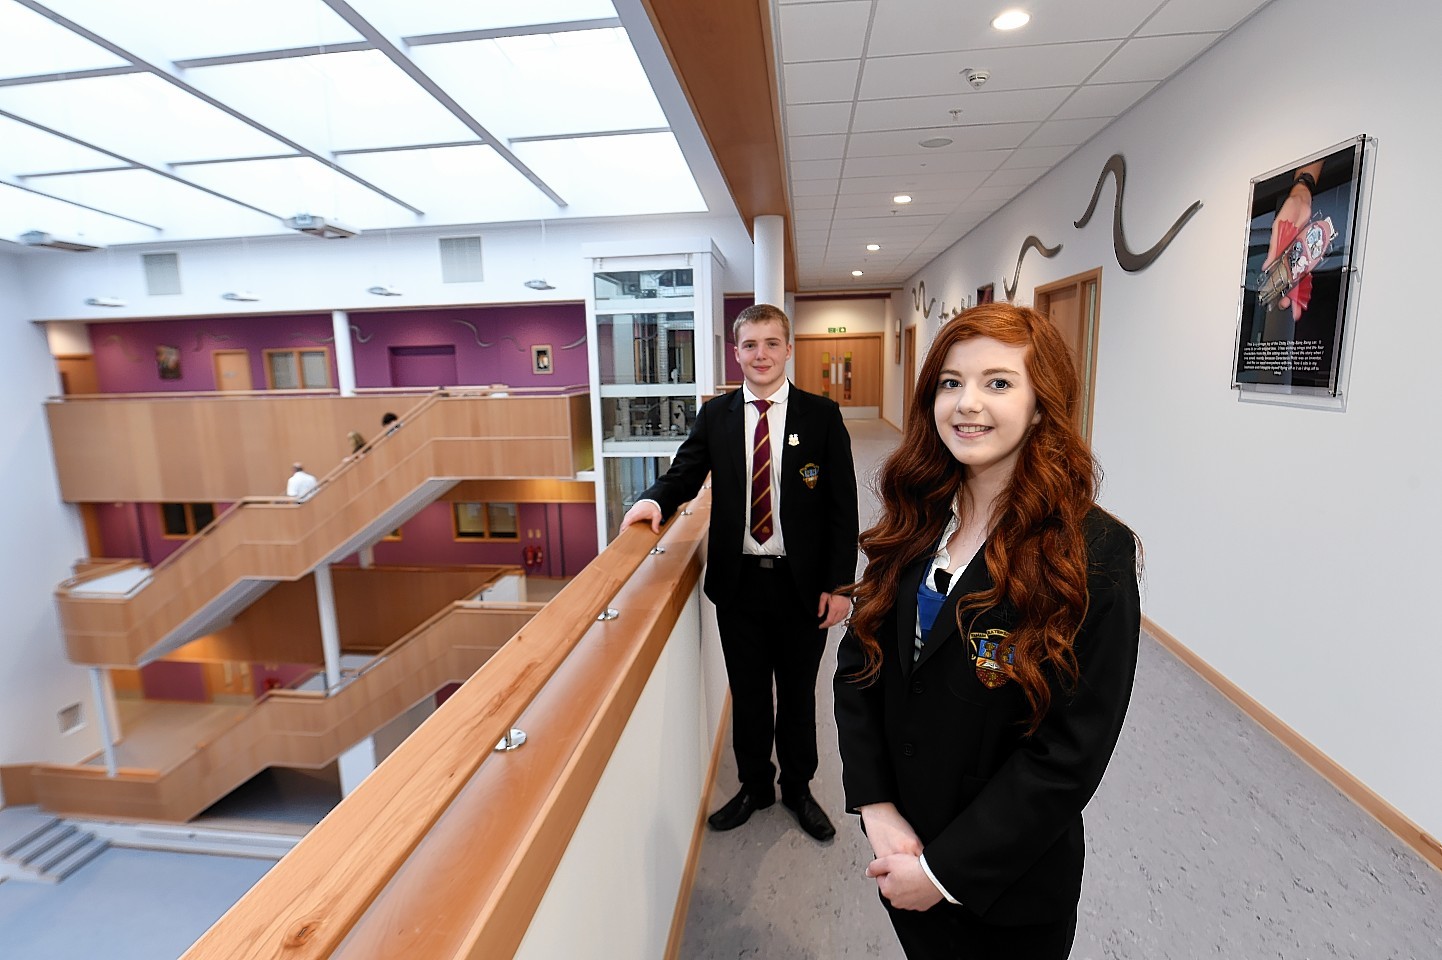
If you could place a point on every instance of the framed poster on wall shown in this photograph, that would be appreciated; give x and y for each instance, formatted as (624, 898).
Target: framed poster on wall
(1299, 273)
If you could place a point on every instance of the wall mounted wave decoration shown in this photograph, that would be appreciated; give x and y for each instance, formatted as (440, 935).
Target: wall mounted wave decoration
(572, 346)
(1030, 243)
(359, 337)
(1128, 261)
(918, 296)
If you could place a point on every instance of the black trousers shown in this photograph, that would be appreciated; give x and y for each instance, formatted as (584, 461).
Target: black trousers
(949, 932)
(769, 634)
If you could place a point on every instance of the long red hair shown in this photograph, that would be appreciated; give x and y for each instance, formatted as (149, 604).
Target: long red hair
(1036, 554)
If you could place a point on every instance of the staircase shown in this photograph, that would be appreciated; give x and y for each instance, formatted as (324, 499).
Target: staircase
(261, 541)
(41, 848)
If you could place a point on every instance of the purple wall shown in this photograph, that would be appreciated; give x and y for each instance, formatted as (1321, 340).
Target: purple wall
(567, 535)
(730, 307)
(135, 530)
(511, 331)
(125, 352)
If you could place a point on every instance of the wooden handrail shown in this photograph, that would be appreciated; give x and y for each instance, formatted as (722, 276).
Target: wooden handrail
(311, 901)
(480, 389)
(269, 538)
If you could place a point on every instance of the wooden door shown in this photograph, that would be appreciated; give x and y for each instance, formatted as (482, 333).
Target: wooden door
(232, 369)
(77, 374)
(846, 369)
(1074, 305)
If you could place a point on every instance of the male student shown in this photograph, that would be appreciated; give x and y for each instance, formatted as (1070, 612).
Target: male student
(782, 539)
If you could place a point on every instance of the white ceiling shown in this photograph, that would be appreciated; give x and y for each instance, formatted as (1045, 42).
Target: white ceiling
(864, 81)
(171, 120)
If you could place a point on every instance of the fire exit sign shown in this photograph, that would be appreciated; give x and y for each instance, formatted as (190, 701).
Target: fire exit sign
(835, 329)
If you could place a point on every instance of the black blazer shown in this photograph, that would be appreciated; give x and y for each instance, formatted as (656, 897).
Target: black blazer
(998, 814)
(819, 523)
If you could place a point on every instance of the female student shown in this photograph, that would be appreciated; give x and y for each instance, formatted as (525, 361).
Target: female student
(981, 687)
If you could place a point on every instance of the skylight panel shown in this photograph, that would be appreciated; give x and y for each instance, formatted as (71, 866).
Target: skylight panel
(139, 116)
(181, 211)
(28, 150)
(553, 86)
(31, 45)
(301, 185)
(184, 29)
(449, 16)
(470, 184)
(336, 101)
(616, 176)
(21, 212)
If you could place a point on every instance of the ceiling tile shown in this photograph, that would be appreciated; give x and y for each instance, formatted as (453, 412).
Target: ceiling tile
(830, 31)
(824, 81)
(815, 170)
(1016, 177)
(936, 161)
(978, 108)
(808, 118)
(1181, 16)
(1058, 133)
(1103, 100)
(1011, 68)
(1037, 157)
(818, 202)
(1153, 58)
(814, 188)
(886, 143)
(931, 26)
(823, 147)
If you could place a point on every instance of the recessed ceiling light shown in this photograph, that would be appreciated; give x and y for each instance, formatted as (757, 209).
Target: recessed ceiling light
(935, 142)
(1011, 19)
(873, 247)
(901, 198)
(857, 273)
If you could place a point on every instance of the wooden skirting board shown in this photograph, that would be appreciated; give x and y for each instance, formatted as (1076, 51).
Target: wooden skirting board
(1426, 845)
(693, 856)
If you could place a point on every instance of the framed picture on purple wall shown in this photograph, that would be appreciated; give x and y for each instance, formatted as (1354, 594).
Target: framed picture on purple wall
(167, 362)
(541, 358)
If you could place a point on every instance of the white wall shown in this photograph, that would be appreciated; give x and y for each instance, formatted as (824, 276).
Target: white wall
(303, 273)
(43, 538)
(637, 828)
(1295, 550)
(857, 316)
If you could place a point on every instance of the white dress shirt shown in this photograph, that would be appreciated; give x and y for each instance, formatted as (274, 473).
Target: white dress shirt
(776, 423)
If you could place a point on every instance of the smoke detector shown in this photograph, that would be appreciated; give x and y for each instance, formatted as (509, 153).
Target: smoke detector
(976, 77)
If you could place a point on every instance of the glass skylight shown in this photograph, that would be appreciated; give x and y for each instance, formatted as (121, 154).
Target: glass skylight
(590, 81)
(31, 45)
(168, 30)
(450, 16)
(138, 116)
(250, 120)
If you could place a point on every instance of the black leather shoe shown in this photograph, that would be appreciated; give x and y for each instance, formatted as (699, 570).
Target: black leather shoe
(811, 817)
(739, 809)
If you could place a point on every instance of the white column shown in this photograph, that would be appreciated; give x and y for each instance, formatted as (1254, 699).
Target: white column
(329, 628)
(367, 557)
(102, 716)
(770, 248)
(344, 356)
(355, 765)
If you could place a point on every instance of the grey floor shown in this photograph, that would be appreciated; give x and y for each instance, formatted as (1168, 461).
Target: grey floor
(1206, 839)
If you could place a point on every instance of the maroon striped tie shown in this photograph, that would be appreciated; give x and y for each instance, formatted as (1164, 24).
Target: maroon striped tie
(761, 476)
